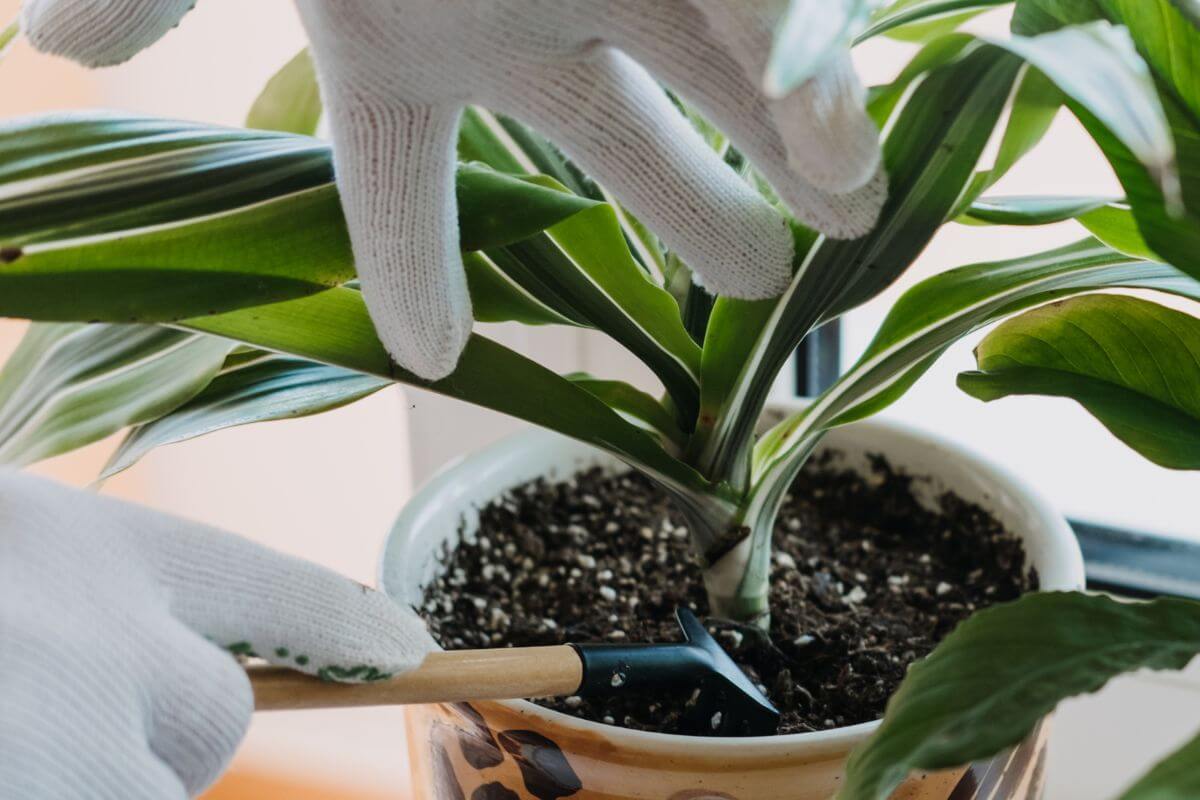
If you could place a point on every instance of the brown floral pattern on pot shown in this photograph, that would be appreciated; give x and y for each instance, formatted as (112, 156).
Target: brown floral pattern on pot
(541, 767)
(544, 759)
(547, 774)
(475, 739)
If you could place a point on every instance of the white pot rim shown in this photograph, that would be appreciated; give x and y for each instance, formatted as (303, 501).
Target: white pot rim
(1061, 569)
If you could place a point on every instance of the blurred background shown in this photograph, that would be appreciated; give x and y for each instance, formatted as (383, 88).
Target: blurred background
(327, 488)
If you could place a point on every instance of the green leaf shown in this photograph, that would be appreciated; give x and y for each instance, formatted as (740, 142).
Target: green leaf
(926, 320)
(481, 138)
(939, 310)
(291, 101)
(1166, 38)
(882, 101)
(1115, 225)
(77, 175)
(1098, 67)
(272, 251)
(1190, 9)
(1110, 222)
(333, 328)
(606, 286)
(8, 35)
(1133, 364)
(496, 297)
(1169, 43)
(804, 42)
(996, 675)
(921, 20)
(1034, 107)
(1032, 209)
(170, 220)
(1174, 778)
(635, 405)
(68, 385)
(930, 153)
(269, 388)
(1031, 17)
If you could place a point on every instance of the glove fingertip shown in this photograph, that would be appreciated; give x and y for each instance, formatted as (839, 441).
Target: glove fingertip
(99, 34)
(430, 349)
(852, 214)
(755, 265)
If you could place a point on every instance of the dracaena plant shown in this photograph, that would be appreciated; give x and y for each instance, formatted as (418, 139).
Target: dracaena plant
(218, 263)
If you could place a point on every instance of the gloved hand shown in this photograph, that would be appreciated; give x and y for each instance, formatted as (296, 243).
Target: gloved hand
(114, 626)
(395, 75)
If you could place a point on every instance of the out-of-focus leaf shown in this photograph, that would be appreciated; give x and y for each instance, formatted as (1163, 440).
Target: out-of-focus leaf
(997, 674)
(291, 101)
(8, 35)
(1032, 209)
(1109, 221)
(1173, 778)
(68, 385)
(1098, 67)
(1133, 364)
(922, 20)
(271, 388)
(1170, 44)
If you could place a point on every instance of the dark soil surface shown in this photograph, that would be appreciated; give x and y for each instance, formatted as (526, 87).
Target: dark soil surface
(865, 581)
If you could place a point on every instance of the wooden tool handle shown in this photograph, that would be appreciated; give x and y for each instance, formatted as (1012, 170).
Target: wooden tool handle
(444, 677)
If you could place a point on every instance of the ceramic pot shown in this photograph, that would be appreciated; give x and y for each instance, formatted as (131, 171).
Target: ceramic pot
(517, 750)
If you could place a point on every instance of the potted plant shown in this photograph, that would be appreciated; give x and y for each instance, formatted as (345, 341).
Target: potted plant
(186, 278)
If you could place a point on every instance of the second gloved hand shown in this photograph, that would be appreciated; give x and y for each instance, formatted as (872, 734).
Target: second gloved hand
(396, 74)
(116, 622)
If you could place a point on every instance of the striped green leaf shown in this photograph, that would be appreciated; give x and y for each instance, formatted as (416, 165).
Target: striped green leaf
(291, 101)
(1109, 221)
(68, 385)
(1035, 104)
(1134, 365)
(922, 20)
(930, 154)
(267, 387)
(333, 328)
(583, 268)
(942, 309)
(1032, 209)
(158, 221)
(636, 406)
(83, 174)
(990, 682)
(925, 321)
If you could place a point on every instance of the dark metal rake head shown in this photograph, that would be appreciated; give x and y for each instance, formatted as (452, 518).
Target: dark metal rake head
(724, 701)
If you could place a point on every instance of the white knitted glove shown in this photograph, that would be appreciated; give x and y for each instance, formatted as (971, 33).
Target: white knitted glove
(395, 75)
(112, 683)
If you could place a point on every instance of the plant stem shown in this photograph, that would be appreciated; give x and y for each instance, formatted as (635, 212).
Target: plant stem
(725, 583)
